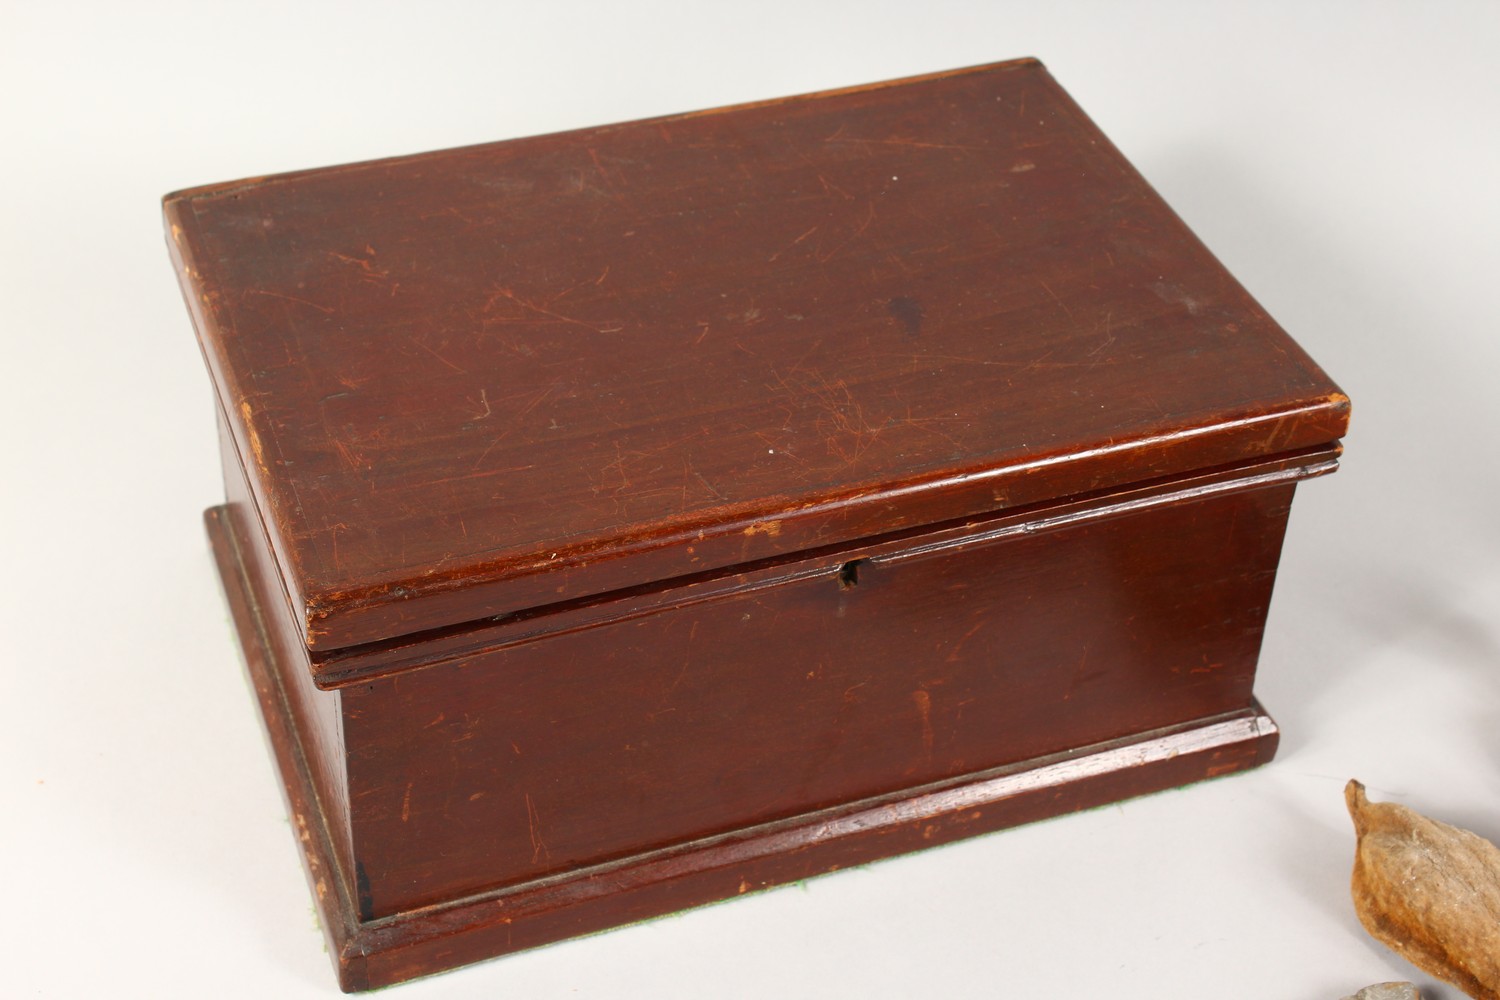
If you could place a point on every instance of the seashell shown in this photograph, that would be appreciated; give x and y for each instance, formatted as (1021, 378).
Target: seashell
(1429, 891)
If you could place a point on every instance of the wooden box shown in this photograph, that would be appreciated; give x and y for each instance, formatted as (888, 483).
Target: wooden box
(634, 517)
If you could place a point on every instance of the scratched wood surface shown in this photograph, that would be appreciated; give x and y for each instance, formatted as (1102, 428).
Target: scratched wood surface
(629, 518)
(503, 768)
(458, 786)
(492, 378)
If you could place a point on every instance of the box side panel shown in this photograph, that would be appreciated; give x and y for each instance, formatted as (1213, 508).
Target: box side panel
(901, 671)
(316, 715)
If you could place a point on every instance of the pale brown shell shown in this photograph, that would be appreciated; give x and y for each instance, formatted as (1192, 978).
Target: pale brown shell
(1429, 891)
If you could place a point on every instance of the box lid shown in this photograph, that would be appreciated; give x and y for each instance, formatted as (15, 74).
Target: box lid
(488, 379)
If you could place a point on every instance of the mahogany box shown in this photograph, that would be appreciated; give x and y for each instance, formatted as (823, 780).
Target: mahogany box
(634, 517)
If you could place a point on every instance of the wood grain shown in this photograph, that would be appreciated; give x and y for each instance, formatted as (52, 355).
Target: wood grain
(533, 760)
(479, 381)
(634, 517)
(371, 953)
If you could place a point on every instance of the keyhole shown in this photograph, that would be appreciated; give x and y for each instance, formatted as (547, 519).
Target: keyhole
(849, 574)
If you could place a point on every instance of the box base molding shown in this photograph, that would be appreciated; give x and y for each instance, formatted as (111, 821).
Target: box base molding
(389, 950)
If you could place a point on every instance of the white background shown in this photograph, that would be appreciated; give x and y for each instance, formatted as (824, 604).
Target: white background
(1341, 158)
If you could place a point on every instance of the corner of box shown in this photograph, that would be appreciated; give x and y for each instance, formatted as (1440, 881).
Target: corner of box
(352, 967)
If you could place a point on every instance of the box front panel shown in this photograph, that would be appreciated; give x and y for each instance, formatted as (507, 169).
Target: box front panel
(901, 671)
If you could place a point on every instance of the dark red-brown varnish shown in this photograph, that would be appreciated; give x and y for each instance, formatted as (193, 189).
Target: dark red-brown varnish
(634, 517)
